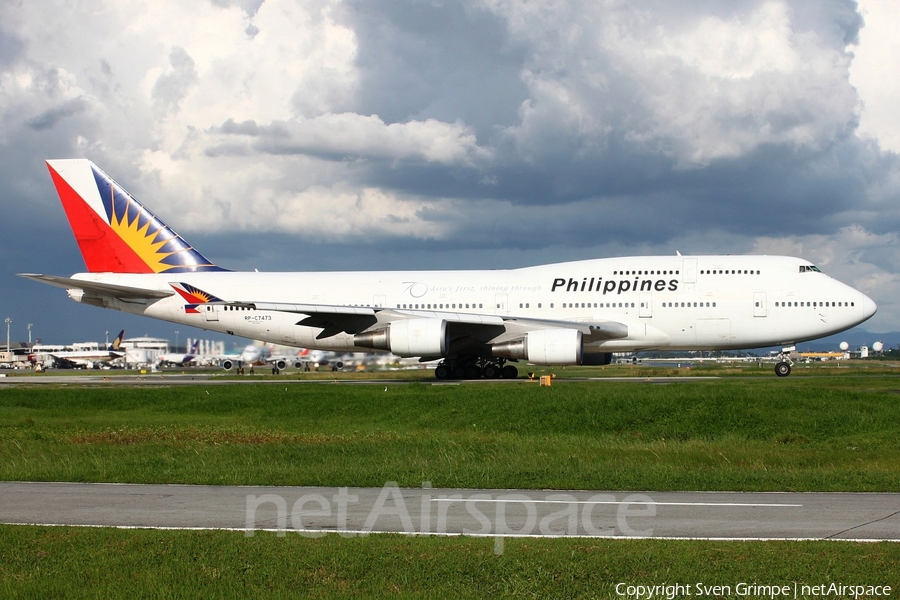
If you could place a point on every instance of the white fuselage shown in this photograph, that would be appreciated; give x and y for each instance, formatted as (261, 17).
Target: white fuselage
(667, 302)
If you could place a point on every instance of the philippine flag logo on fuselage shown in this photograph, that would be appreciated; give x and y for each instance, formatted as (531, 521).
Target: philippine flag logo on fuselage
(193, 296)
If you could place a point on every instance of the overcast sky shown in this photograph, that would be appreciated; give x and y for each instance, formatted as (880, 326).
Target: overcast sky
(288, 135)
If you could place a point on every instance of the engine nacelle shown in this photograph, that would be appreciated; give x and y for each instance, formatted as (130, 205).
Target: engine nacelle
(408, 337)
(544, 347)
(227, 365)
(281, 364)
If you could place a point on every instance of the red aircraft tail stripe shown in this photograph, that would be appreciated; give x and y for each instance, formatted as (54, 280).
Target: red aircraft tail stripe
(102, 249)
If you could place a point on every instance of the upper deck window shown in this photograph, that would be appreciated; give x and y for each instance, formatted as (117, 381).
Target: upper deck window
(805, 268)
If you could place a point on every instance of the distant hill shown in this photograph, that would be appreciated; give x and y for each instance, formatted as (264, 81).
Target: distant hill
(856, 337)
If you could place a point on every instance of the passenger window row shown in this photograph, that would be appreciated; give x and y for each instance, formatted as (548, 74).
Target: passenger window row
(442, 306)
(651, 272)
(689, 305)
(815, 304)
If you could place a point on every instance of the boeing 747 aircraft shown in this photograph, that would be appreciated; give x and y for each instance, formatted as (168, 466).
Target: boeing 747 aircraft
(475, 322)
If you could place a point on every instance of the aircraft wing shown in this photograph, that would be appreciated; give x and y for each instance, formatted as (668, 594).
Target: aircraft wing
(594, 331)
(356, 319)
(103, 289)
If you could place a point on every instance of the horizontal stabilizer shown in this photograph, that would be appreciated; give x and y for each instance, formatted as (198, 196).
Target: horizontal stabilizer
(102, 289)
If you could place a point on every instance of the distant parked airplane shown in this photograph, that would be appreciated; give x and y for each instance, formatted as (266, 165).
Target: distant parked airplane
(476, 322)
(178, 359)
(85, 358)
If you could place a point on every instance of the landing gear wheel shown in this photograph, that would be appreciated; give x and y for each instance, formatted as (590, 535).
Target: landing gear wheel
(491, 371)
(473, 372)
(510, 372)
(783, 369)
(459, 372)
(441, 372)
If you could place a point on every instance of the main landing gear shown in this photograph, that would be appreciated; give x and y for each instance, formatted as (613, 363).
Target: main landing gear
(475, 368)
(784, 364)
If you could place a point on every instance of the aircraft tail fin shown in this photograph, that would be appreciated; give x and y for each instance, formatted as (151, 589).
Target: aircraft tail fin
(117, 343)
(115, 232)
(195, 347)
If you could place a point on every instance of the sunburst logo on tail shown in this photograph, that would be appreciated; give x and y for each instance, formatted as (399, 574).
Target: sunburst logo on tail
(142, 241)
(155, 243)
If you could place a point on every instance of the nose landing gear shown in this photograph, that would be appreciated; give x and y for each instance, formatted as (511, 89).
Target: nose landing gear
(784, 364)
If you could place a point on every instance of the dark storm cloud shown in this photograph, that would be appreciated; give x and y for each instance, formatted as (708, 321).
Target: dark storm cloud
(11, 47)
(249, 128)
(840, 19)
(564, 123)
(625, 170)
(445, 61)
(349, 136)
(51, 117)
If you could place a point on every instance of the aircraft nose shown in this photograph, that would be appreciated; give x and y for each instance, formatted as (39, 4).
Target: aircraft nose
(867, 306)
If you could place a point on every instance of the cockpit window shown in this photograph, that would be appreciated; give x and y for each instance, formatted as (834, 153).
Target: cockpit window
(805, 268)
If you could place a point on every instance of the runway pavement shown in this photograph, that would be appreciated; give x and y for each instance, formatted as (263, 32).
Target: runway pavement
(507, 513)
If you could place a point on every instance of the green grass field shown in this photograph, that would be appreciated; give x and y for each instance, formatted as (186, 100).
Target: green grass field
(831, 430)
(805, 433)
(89, 563)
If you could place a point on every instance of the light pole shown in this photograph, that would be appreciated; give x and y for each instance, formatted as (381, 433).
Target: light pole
(176, 340)
(107, 338)
(29, 334)
(8, 321)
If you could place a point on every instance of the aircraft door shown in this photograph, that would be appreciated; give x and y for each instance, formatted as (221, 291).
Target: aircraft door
(689, 270)
(211, 312)
(501, 304)
(759, 304)
(646, 308)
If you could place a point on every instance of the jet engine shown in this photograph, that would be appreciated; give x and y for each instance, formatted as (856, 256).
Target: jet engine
(544, 347)
(550, 347)
(408, 337)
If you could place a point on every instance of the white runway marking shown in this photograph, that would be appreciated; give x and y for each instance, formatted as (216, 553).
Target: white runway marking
(616, 502)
